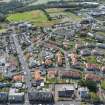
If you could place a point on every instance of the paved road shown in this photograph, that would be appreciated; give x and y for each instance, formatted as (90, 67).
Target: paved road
(24, 66)
(66, 60)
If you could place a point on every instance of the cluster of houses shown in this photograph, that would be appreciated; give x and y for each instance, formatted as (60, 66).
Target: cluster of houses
(55, 55)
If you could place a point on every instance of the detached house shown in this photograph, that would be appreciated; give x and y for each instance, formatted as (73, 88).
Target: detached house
(93, 77)
(92, 67)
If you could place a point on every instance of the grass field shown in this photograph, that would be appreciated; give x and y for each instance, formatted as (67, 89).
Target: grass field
(37, 18)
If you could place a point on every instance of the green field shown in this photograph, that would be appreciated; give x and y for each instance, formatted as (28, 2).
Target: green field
(37, 18)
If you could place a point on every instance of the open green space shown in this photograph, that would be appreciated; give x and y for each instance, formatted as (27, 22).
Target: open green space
(91, 59)
(37, 18)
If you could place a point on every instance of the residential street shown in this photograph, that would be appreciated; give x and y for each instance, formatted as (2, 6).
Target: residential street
(24, 66)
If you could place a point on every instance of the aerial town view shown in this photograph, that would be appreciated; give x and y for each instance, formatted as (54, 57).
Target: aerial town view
(52, 52)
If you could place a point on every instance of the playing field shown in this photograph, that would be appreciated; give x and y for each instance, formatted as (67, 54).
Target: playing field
(36, 17)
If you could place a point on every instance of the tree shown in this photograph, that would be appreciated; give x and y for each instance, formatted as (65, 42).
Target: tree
(91, 85)
(95, 98)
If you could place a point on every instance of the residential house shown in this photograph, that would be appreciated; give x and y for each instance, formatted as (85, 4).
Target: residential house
(70, 75)
(93, 77)
(92, 67)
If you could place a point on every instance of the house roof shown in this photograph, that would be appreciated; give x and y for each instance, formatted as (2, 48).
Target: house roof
(52, 72)
(93, 77)
(18, 77)
(48, 61)
(37, 75)
(41, 97)
(70, 74)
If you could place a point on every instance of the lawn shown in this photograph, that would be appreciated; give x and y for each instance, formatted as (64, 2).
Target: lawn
(37, 18)
(91, 59)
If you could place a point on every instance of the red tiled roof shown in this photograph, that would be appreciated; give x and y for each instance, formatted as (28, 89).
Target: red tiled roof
(93, 77)
(71, 74)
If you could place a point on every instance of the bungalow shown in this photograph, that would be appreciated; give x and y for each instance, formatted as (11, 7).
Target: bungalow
(3, 98)
(93, 77)
(41, 98)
